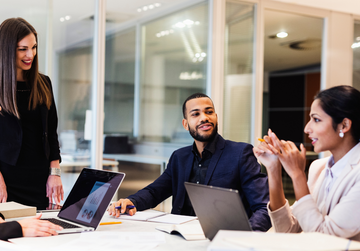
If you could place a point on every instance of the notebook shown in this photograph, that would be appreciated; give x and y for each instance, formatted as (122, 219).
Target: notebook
(217, 208)
(88, 200)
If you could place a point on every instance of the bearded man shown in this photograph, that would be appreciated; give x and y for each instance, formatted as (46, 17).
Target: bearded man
(210, 160)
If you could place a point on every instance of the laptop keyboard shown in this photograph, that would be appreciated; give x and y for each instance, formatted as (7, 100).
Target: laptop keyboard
(61, 223)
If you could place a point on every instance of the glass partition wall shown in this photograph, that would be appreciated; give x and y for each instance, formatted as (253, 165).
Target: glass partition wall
(119, 83)
(239, 72)
(153, 62)
(173, 66)
(292, 74)
(72, 46)
(356, 55)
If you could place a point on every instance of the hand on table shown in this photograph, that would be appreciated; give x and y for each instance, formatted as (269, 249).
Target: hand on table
(123, 203)
(35, 227)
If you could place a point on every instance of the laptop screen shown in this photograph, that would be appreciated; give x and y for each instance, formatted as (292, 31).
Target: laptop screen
(90, 196)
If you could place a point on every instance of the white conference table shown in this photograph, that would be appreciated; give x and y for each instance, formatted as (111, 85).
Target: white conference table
(140, 158)
(172, 242)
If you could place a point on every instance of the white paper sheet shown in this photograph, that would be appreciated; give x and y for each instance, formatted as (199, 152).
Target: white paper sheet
(173, 219)
(111, 241)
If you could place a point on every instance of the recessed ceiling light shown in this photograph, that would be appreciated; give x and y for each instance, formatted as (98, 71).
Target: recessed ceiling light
(148, 7)
(355, 45)
(67, 17)
(188, 22)
(282, 34)
(62, 19)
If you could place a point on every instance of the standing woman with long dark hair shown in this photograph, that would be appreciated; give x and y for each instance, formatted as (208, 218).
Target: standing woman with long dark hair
(29, 147)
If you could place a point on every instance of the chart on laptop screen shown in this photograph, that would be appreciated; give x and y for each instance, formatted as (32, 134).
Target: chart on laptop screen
(93, 201)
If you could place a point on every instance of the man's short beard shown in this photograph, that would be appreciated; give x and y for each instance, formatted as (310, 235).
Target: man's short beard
(201, 138)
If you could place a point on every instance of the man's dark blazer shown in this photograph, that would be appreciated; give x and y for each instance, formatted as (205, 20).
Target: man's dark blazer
(233, 165)
(11, 133)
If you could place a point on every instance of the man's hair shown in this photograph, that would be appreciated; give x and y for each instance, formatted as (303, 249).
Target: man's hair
(193, 96)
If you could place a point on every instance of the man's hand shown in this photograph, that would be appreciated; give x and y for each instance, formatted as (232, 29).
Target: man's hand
(123, 203)
(35, 227)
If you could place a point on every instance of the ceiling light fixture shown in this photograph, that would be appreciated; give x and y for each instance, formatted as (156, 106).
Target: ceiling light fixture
(164, 33)
(186, 23)
(282, 34)
(355, 45)
(66, 18)
(148, 7)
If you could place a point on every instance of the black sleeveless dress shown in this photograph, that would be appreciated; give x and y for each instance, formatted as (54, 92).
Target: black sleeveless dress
(26, 181)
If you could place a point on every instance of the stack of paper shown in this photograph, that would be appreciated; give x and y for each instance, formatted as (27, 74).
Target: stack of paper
(14, 210)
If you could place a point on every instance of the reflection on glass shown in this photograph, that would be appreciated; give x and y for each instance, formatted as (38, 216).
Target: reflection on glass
(36, 15)
(72, 45)
(356, 55)
(119, 82)
(173, 67)
(238, 71)
(292, 73)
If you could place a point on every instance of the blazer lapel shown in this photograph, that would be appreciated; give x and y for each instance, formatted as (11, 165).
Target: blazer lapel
(352, 163)
(333, 190)
(215, 159)
(188, 165)
(318, 185)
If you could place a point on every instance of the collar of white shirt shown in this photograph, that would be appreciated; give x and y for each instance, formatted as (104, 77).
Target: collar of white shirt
(336, 168)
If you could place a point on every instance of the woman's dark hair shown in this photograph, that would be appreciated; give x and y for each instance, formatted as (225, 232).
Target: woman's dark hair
(12, 31)
(341, 102)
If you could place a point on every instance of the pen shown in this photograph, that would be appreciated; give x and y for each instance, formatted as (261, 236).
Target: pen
(128, 207)
(261, 140)
(110, 223)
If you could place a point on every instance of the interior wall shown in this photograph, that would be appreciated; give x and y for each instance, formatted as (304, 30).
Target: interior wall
(338, 52)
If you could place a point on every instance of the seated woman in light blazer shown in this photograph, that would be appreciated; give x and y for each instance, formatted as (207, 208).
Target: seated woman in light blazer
(329, 201)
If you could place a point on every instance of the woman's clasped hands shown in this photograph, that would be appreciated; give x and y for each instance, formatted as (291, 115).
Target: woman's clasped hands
(273, 153)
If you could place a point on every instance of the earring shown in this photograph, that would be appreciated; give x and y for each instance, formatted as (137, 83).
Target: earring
(341, 134)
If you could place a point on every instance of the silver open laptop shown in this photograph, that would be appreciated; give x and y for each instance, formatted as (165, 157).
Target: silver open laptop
(88, 200)
(217, 208)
